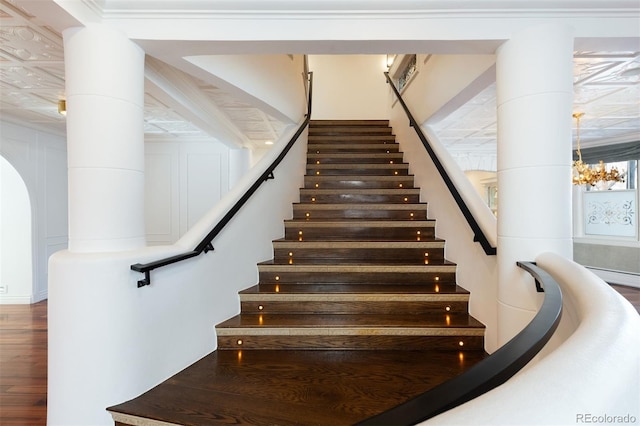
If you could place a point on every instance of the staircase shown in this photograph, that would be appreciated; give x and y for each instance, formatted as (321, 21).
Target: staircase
(359, 267)
(357, 313)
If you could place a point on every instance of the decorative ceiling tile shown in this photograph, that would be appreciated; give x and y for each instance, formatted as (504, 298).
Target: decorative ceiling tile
(588, 93)
(252, 126)
(27, 44)
(607, 89)
(177, 127)
(224, 100)
(627, 96)
(22, 77)
(161, 115)
(585, 69)
(258, 136)
(55, 69)
(455, 133)
(244, 114)
(21, 10)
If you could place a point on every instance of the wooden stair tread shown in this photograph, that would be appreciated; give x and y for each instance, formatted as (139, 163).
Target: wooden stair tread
(444, 266)
(388, 191)
(350, 146)
(357, 155)
(358, 166)
(379, 223)
(358, 206)
(442, 288)
(377, 324)
(355, 136)
(357, 265)
(359, 122)
(359, 177)
(294, 244)
(347, 132)
(361, 290)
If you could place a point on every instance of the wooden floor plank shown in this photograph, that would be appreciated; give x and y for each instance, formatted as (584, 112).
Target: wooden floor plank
(23, 364)
(296, 387)
(35, 381)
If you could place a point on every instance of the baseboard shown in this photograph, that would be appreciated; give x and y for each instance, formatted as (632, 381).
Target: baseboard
(40, 296)
(15, 300)
(617, 277)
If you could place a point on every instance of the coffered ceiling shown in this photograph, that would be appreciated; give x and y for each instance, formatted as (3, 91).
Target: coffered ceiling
(607, 90)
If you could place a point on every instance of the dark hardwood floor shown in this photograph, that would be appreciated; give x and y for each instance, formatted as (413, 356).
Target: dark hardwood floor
(23, 361)
(632, 294)
(23, 364)
(285, 387)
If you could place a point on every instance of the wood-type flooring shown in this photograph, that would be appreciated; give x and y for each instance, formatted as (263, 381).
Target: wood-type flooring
(23, 364)
(285, 387)
(23, 361)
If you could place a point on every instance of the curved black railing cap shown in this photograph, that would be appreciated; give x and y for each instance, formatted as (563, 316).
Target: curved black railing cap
(206, 244)
(492, 371)
(479, 235)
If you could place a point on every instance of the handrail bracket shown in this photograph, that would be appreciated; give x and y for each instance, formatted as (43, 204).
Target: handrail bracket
(146, 280)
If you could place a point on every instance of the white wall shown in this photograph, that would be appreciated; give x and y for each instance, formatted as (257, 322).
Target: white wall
(137, 337)
(479, 180)
(589, 367)
(427, 98)
(40, 159)
(475, 271)
(183, 180)
(465, 75)
(274, 83)
(15, 237)
(349, 87)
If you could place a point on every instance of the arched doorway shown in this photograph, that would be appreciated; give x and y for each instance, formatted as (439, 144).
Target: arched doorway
(16, 252)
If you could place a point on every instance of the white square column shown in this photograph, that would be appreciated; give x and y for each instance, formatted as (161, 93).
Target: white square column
(104, 73)
(534, 103)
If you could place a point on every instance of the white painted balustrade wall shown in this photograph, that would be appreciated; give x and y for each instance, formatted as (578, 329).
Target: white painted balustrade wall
(589, 373)
(111, 341)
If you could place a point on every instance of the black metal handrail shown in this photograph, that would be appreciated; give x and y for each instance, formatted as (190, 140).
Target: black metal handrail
(206, 244)
(479, 235)
(492, 371)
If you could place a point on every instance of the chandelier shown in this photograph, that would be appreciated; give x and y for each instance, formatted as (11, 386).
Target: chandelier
(584, 173)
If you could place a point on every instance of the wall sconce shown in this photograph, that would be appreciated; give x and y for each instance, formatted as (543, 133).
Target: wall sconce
(62, 107)
(390, 60)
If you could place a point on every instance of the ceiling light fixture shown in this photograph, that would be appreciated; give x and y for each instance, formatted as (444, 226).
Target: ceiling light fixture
(62, 107)
(583, 174)
(268, 142)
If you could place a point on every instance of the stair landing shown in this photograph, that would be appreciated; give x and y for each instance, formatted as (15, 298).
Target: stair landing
(292, 387)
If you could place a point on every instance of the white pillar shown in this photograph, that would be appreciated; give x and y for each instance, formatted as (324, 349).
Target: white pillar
(534, 102)
(105, 139)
